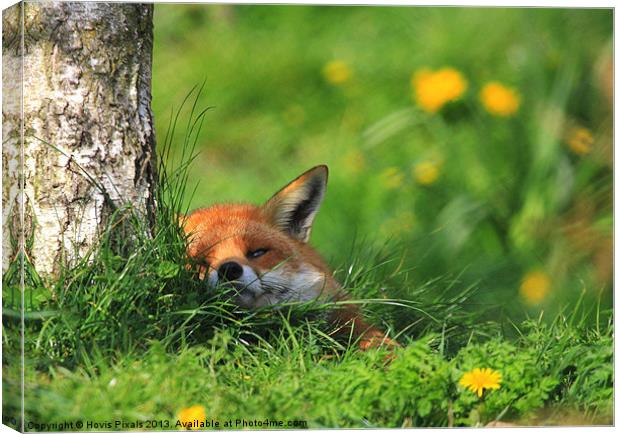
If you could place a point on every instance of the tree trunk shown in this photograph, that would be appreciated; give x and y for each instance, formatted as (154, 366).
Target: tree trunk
(88, 142)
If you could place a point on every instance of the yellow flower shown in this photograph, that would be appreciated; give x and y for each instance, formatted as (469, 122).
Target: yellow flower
(337, 72)
(400, 224)
(580, 140)
(499, 100)
(354, 161)
(392, 178)
(434, 89)
(480, 379)
(187, 416)
(535, 287)
(426, 172)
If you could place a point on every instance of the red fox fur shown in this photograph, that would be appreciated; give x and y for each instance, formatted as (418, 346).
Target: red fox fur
(263, 252)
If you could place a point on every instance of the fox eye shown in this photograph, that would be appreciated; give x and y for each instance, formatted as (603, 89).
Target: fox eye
(256, 253)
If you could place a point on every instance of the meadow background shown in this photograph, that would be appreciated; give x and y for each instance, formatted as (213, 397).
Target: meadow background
(469, 210)
(514, 197)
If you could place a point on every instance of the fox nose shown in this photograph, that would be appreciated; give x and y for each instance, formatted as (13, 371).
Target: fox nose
(230, 271)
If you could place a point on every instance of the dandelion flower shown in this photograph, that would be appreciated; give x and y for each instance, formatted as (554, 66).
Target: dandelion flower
(426, 172)
(189, 415)
(337, 72)
(398, 225)
(499, 100)
(580, 140)
(392, 178)
(480, 379)
(354, 161)
(535, 287)
(433, 89)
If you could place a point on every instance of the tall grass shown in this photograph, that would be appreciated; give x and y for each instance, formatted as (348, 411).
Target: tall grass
(554, 373)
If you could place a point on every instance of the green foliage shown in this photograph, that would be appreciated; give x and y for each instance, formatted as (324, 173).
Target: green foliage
(528, 386)
(292, 378)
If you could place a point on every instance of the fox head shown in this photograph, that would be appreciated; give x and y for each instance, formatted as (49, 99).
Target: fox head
(262, 251)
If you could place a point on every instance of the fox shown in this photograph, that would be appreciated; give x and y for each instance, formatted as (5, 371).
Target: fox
(263, 251)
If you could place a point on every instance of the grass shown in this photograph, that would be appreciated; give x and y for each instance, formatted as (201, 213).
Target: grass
(130, 334)
(297, 376)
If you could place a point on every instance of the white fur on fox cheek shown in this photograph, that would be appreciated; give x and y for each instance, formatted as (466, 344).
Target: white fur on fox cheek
(250, 280)
(213, 278)
(302, 285)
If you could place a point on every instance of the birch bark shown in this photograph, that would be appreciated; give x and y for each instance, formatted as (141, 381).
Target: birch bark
(86, 87)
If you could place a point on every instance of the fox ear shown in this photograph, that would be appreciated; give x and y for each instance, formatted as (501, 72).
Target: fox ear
(293, 208)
